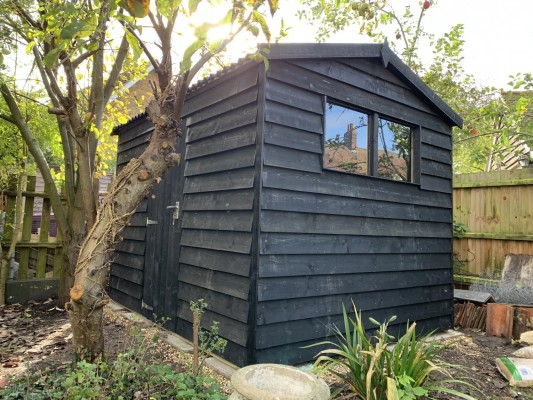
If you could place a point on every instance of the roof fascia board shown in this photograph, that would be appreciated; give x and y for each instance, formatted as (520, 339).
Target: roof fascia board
(320, 50)
(390, 59)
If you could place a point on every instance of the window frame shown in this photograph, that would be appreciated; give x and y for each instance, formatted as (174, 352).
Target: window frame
(373, 142)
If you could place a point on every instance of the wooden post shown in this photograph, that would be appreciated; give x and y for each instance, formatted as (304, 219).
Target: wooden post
(26, 229)
(9, 221)
(43, 236)
(195, 326)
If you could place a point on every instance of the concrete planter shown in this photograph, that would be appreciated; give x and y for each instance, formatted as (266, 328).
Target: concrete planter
(277, 382)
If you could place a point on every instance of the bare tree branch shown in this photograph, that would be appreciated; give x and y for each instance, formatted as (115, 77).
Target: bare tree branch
(67, 142)
(81, 58)
(7, 118)
(16, 26)
(27, 16)
(117, 67)
(151, 58)
(86, 144)
(57, 111)
(157, 23)
(46, 80)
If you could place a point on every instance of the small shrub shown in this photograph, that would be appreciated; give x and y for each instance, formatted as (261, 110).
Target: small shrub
(459, 229)
(377, 368)
(133, 375)
(204, 342)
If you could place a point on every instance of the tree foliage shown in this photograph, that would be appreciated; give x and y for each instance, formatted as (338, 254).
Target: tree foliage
(13, 151)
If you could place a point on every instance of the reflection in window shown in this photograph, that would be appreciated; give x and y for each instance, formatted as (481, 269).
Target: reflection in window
(346, 140)
(394, 150)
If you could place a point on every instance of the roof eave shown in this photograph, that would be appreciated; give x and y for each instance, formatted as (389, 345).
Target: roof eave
(280, 51)
(390, 59)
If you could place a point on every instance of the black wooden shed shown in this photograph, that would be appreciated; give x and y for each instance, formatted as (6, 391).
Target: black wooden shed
(322, 179)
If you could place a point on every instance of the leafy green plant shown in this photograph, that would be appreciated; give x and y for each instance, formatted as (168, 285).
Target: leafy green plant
(35, 385)
(459, 229)
(378, 368)
(133, 375)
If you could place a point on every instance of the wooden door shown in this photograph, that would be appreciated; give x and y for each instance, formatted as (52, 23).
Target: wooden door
(163, 234)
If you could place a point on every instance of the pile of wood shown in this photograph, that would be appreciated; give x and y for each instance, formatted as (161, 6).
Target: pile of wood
(470, 315)
(470, 309)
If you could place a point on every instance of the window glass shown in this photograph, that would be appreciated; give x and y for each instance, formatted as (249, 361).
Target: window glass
(346, 140)
(394, 150)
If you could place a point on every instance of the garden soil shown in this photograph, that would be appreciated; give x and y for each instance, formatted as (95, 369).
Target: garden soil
(38, 336)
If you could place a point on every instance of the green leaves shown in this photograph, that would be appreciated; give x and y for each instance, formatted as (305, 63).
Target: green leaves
(273, 5)
(193, 6)
(134, 44)
(50, 59)
(167, 7)
(202, 30)
(186, 62)
(136, 8)
(260, 19)
(29, 47)
(79, 29)
(3, 52)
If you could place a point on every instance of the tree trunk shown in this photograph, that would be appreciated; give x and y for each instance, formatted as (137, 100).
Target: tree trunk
(71, 249)
(88, 295)
(71, 245)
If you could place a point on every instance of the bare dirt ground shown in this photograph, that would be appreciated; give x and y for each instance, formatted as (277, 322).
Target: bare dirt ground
(38, 336)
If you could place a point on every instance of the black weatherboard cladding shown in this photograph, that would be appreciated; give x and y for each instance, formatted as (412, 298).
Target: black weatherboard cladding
(216, 255)
(274, 243)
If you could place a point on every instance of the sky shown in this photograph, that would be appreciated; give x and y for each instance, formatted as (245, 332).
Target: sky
(498, 34)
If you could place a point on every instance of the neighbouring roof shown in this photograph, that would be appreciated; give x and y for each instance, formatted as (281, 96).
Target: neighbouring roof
(382, 51)
(518, 145)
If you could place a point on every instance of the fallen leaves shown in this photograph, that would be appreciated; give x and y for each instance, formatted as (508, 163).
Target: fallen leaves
(29, 333)
(11, 364)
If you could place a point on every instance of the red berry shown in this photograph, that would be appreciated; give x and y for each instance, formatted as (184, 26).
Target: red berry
(473, 131)
(426, 5)
(398, 35)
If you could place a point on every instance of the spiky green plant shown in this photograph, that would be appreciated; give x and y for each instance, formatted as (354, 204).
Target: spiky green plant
(380, 368)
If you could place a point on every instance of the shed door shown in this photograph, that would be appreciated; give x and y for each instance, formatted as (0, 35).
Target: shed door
(163, 234)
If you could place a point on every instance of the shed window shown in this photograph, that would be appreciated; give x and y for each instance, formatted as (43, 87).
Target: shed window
(394, 150)
(364, 143)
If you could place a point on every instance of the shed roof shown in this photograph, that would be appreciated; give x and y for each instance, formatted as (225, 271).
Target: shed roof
(381, 51)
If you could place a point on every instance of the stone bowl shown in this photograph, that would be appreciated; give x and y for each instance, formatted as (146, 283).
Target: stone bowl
(277, 382)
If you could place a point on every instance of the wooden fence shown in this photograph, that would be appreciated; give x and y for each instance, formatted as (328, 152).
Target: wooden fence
(39, 247)
(497, 209)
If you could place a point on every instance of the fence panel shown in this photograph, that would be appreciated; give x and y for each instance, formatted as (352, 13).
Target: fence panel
(497, 208)
(38, 248)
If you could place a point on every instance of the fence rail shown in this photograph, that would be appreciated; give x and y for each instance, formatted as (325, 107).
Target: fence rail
(497, 208)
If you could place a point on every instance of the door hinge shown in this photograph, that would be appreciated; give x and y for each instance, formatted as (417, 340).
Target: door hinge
(150, 222)
(146, 306)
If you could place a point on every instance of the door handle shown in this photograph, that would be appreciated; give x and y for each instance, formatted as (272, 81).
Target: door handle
(176, 213)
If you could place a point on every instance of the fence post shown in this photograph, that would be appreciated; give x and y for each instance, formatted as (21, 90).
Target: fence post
(43, 235)
(27, 219)
(9, 219)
